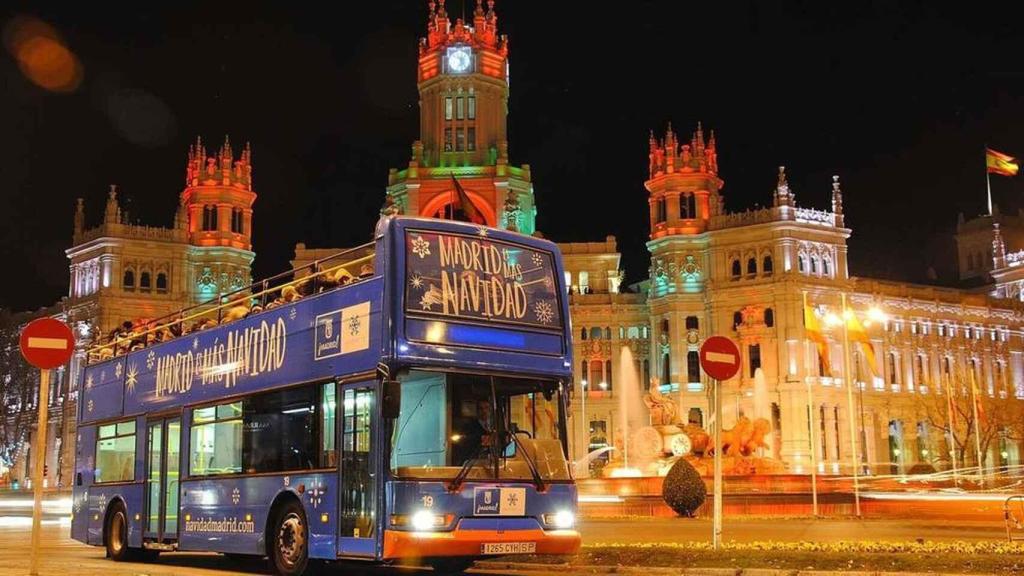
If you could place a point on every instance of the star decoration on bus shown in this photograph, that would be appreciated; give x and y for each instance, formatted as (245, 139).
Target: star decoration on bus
(430, 297)
(513, 499)
(131, 378)
(482, 232)
(88, 381)
(354, 325)
(235, 496)
(537, 259)
(195, 343)
(102, 501)
(420, 247)
(542, 310)
(150, 360)
(416, 281)
(292, 313)
(117, 370)
(89, 405)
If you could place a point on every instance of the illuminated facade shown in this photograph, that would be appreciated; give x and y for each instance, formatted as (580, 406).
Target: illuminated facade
(741, 274)
(120, 271)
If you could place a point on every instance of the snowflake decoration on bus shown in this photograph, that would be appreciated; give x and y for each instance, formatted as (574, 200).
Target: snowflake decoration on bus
(150, 360)
(131, 378)
(354, 325)
(416, 281)
(316, 494)
(235, 496)
(88, 382)
(292, 313)
(543, 311)
(538, 260)
(482, 232)
(117, 370)
(195, 343)
(102, 501)
(78, 503)
(420, 247)
(89, 406)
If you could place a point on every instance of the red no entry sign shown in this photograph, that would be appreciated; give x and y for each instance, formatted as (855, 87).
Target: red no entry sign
(47, 343)
(719, 357)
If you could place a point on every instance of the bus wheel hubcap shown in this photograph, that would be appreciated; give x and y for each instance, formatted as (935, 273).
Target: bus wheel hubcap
(291, 539)
(117, 534)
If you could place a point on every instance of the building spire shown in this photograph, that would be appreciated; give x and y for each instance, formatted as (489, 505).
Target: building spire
(998, 248)
(79, 216)
(783, 195)
(112, 214)
(837, 201)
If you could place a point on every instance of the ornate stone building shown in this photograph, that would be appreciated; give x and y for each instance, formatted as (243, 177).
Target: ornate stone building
(121, 271)
(741, 274)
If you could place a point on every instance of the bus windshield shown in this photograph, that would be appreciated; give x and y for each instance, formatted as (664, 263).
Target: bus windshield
(477, 427)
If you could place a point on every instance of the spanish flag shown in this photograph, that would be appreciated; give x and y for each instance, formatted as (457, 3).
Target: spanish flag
(999, 163)
(813, 329)
(855, 330)
(982, 418)
(465, 205)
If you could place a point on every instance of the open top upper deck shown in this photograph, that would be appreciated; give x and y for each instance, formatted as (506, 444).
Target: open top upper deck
(426, 292)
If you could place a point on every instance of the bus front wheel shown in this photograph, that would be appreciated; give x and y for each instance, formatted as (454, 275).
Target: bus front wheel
(290, 551)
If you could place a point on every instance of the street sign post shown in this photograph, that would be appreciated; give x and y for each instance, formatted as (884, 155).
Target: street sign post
(45, 343)
(720, 360)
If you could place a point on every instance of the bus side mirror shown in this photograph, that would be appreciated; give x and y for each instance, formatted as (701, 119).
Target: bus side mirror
(392, 401)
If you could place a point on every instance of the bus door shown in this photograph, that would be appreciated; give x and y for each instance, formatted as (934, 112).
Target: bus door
(357, 528)
(163, 459)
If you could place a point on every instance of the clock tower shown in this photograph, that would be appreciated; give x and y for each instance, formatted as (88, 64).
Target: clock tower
(463, 88)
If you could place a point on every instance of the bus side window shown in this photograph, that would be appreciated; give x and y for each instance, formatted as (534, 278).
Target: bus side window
(328, 419)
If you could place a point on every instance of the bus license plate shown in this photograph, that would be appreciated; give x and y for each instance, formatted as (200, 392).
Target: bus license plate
(509, 548)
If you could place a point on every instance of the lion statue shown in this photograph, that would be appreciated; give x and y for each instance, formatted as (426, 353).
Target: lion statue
(745, 437)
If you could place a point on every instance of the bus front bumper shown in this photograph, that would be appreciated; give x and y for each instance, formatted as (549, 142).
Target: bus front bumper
(458, 542)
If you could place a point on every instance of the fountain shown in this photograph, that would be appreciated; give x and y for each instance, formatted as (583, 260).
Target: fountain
(631, 413)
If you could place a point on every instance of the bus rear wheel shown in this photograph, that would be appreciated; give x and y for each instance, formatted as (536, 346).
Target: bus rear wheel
(450, 566)
(289, 545)
(117, 535)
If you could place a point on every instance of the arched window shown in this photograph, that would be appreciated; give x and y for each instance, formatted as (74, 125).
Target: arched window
(584, 282)
(751, 266)
(129, 279)
(737, 319)
(237, 221)
(687, 206)
(607, 333)
(769, 317)
(693, 366)
(661, 210)
(596, 378)
(814, 264)
(666, 368)
(695, 416)
(595, 333)
(826, 267)
(736, 271)
(209, 217)
(664, 326)
(161, 282)
(583, 333)
(145, 282)
(608, 374)
(767, 266)
(893, 369)
(692, 323)
(801, 263)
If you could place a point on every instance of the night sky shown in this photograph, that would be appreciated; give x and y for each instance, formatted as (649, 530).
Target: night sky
(898, 99)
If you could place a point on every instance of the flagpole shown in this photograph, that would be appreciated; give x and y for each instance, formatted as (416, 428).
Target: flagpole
(977, 427)
(848, 376)
(988, 180)
(810, 416)
(950, 421)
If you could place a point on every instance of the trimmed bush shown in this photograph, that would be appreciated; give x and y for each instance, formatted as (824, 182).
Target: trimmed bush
(921, 468)
(683, 489)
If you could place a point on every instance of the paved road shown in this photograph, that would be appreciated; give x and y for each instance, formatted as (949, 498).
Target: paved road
(63, 556)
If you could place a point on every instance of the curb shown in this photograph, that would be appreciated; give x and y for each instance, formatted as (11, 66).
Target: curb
(687, 571)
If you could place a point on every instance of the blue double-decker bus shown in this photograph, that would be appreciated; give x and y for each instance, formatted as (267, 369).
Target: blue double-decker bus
(403, 401)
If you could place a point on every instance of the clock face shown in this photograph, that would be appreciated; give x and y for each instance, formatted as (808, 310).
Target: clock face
(458, 59)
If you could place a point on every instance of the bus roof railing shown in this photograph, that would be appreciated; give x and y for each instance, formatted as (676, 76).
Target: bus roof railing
(289, 286)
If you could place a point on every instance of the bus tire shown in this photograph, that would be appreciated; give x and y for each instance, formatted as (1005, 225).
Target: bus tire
(450, 566)
(116, 534)
(289, 546)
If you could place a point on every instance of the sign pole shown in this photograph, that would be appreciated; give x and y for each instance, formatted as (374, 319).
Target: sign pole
(717, 523)
(37, 470)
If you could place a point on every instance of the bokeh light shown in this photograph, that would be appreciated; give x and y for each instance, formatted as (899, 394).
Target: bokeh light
(41, 55)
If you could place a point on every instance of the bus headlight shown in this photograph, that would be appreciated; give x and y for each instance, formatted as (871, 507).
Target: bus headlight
(422, 521)
(560, 519)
